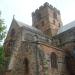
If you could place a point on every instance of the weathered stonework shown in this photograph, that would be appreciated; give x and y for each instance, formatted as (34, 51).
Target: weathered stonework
(48, 19)
(39, 50)
(39, 60)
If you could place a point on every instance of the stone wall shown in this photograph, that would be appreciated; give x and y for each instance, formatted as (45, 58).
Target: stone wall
(47, 18)
(65, 40)
(39, 60)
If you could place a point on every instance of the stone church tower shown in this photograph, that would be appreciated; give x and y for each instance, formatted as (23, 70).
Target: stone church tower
(29, 51)
(47, 18)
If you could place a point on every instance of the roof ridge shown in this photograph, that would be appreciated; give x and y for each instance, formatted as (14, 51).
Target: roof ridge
(21, 24)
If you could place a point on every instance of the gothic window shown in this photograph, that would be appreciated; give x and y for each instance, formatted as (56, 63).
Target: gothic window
(9, 47)
(12, 32)
(54, 60)
(26, 66)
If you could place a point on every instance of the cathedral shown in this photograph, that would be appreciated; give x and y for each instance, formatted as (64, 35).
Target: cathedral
(45, 48)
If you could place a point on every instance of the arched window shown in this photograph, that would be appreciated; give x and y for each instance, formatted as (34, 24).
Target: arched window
(54, 60)
(73, 52)
(26, 66)
(12, 33)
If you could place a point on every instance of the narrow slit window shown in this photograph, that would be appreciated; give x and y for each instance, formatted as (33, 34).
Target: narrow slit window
(54, 60)
(26, 66)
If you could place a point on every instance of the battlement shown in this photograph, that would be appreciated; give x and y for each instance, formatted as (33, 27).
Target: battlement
(46, 4)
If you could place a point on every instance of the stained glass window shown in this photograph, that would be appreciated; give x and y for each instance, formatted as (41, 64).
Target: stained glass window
(12, 32)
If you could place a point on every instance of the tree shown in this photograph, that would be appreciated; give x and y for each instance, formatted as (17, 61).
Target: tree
(1, 55)
(2, 35)
(2, 29)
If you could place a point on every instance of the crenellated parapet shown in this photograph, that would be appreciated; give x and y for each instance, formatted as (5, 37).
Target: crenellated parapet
(47, 18)
(46, 4)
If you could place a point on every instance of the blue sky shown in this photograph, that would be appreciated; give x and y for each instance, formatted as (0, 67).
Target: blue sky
(22, 9)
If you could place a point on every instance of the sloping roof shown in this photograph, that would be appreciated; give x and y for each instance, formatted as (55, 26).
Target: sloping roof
(66, 27)
(27, 26)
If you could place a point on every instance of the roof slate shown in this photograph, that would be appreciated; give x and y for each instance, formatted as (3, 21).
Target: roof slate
(28, 27)
(66, 27)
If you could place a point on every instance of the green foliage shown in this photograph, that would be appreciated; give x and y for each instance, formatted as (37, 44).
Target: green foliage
(1, 54)
(2, 35)
(2, 29)
(2, 66)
